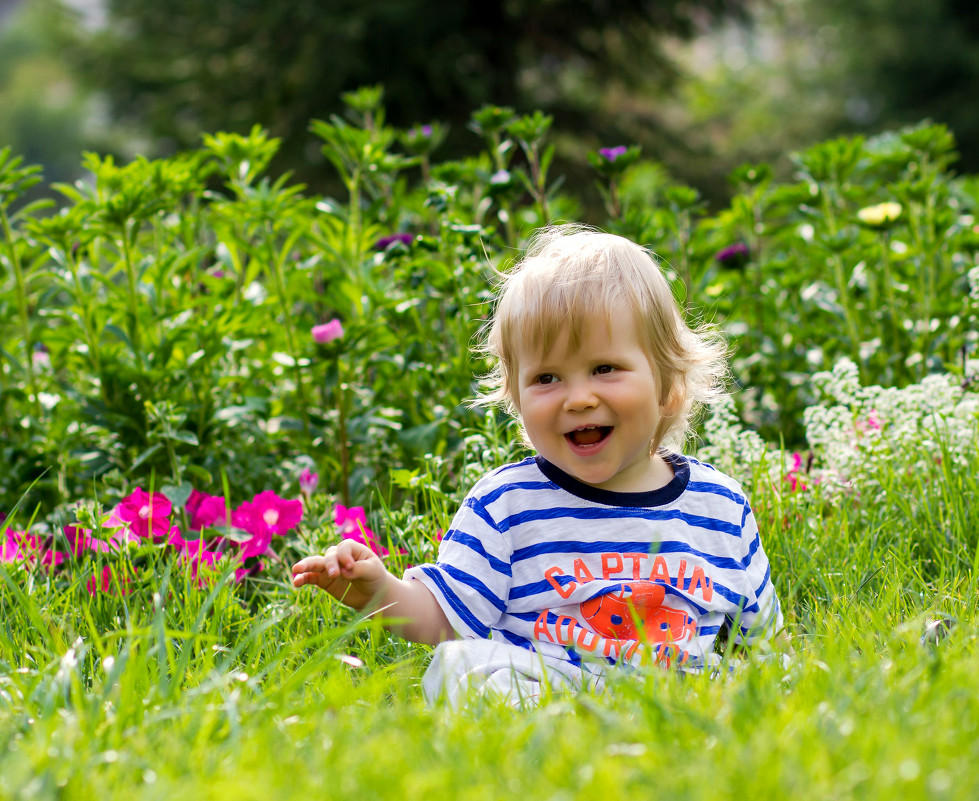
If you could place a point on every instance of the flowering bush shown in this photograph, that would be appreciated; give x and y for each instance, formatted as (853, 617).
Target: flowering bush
(144, 519)
(857, 435)
(180, 310)
(856, 430)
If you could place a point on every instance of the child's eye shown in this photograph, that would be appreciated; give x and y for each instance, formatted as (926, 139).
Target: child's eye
(546, 378)
(604, 368)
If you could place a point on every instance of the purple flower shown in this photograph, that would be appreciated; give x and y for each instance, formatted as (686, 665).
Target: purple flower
(424, 130)
(733, 256)
(610, 154)
(327, 332)
(386, 241)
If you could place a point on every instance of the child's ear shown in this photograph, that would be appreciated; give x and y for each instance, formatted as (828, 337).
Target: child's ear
(672, 405)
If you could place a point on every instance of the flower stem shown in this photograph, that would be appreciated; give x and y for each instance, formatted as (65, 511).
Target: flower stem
(885, 247)
(841, 285)
(22, 309)
(342, 390)
(133, 315)
(287, 317)
(844, 291)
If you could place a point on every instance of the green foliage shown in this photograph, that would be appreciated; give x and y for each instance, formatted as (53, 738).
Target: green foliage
(174, 689)
(159, 325)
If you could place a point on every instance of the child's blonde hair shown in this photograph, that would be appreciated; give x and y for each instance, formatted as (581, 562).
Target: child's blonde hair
(569, 276)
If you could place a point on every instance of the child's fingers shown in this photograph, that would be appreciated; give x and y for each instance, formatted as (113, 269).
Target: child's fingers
(349, 552)
(339, 561)
(301, 579)
(319, 570)
(310, 564)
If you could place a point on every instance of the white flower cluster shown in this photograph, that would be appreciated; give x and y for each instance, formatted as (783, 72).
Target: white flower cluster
(858, 431)
(974, 285)
(731, 448)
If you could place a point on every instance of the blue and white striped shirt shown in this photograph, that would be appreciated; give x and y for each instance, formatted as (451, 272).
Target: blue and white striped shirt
(590, 577)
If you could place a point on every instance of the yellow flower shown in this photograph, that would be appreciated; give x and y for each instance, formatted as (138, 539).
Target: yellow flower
(881, 215)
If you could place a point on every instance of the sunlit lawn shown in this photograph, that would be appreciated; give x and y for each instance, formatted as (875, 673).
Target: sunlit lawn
(177, 691)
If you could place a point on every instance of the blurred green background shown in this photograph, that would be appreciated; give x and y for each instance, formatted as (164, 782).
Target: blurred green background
(701, 85)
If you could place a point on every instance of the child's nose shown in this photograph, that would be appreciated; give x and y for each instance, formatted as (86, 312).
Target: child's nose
(581, 396)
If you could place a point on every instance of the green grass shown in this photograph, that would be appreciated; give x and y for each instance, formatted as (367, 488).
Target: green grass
(179, 692)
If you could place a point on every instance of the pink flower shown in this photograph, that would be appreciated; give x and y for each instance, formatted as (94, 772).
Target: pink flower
(193, 554)
(265, 516)
(792, 474)
(193, 550)
(20, 546)
(268, 512)
(256, 546)
(872, 423)
(145, 514)
(28, 546)
(327, 332)
(81, 540)
(308, 481)
(211, 510)
(194, 501)
(104, 583)
(352, 525)
(41, 356)
(10, 550)
(52, 558)
(119, 531)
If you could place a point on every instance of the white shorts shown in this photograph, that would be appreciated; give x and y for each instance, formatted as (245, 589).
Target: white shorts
(462, 671)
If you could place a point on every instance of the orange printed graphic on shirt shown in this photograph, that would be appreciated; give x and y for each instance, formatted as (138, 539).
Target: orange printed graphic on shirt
(638, 603)
(632, 616)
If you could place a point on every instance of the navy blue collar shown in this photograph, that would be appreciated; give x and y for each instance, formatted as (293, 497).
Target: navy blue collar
(658, 497)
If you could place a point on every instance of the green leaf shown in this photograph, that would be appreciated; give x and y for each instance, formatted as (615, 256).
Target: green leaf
(177, 494)
(199, 473)
(187, 437)
(148, 453)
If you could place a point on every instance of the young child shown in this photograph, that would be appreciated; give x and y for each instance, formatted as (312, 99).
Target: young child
(607, 546)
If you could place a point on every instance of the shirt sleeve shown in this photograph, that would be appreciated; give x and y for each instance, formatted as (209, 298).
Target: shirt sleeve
(761, 617)
(471, 578)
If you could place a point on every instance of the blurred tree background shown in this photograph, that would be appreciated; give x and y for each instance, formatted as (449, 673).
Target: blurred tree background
(701, 85)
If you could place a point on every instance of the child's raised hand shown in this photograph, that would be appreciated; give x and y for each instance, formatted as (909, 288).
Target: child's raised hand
(351, 572)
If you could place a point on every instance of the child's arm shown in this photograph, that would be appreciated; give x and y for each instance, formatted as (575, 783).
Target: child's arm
(353, 574)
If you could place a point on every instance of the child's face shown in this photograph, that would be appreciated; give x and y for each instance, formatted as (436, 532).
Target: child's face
(594, 413)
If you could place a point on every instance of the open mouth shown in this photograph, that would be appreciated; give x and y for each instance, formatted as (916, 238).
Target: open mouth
(588, 436)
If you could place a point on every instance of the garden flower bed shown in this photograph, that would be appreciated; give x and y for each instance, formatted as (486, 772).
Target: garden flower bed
(184, 334)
